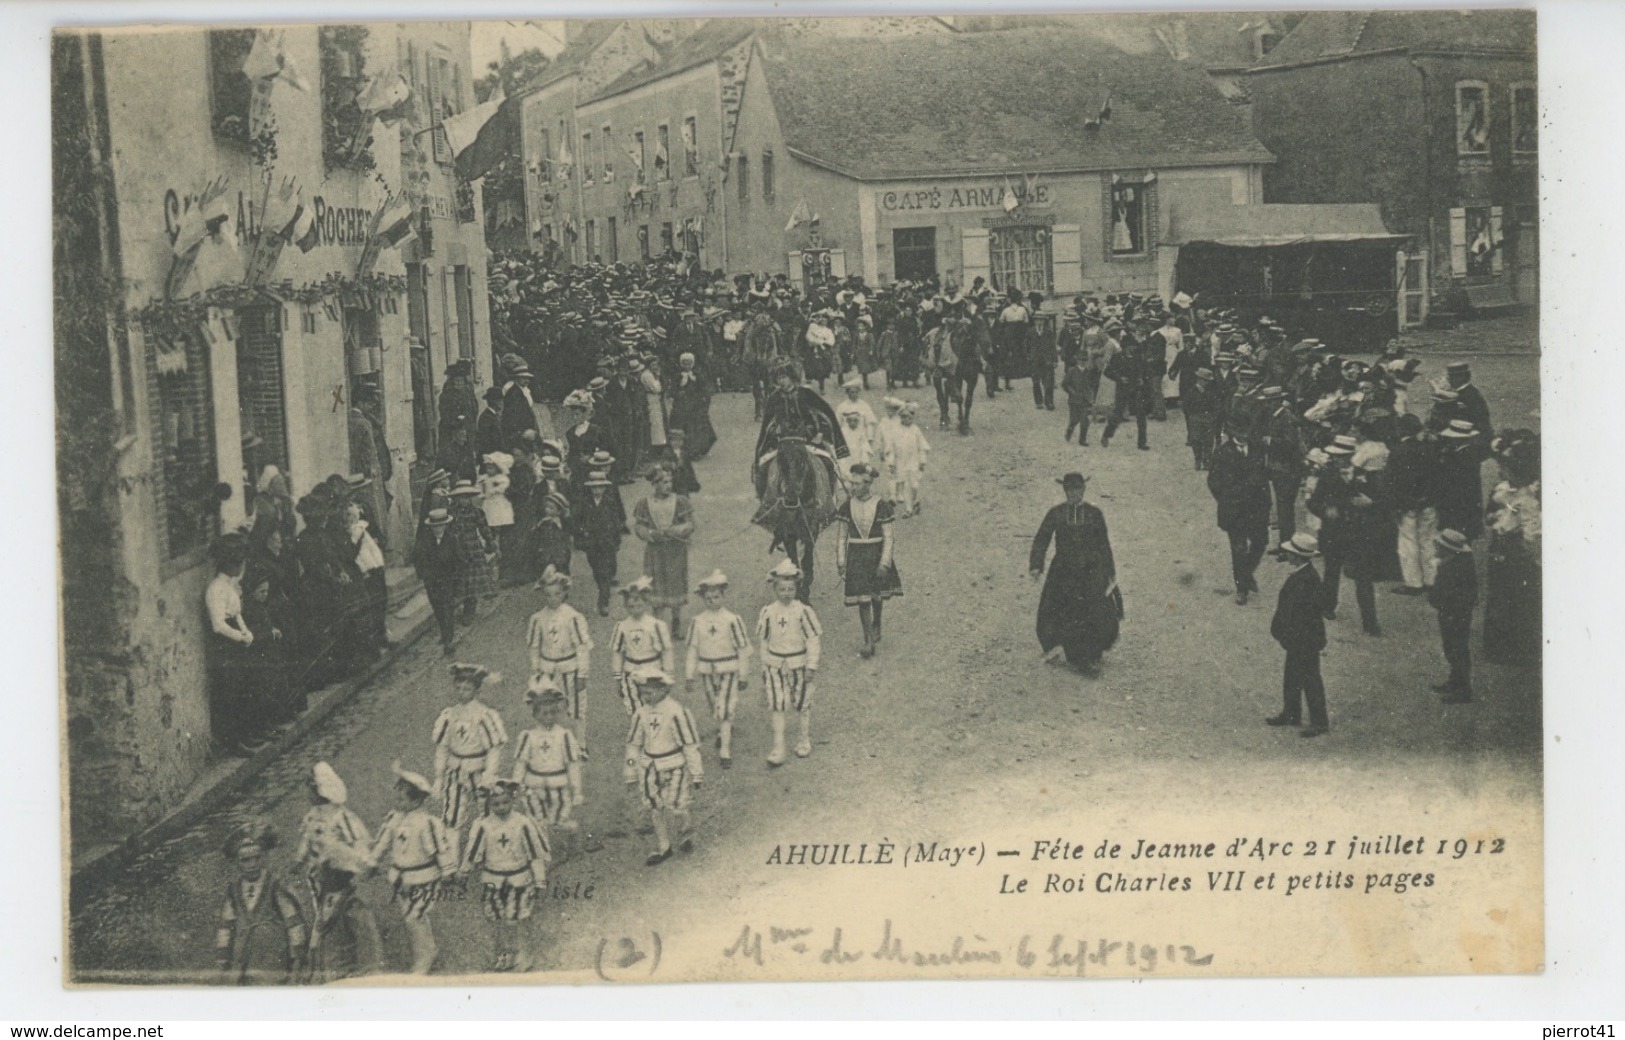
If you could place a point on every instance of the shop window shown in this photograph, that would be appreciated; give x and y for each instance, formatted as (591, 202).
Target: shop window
(643, 241)
(179, 380)
(229, 89)
(1525, 120)
(1472, 119)
(1475, 241)
(767, 174)
(586, 157)
(1128, 218)
(662, 152)
(1020, 258)
(666, 240)
(691, 147)
(612, 246)
(609, 154)
(742, 173)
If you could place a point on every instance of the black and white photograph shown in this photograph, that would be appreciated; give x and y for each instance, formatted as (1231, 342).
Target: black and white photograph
(901, 496)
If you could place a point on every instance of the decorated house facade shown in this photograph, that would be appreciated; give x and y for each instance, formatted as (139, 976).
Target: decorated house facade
(298, 263)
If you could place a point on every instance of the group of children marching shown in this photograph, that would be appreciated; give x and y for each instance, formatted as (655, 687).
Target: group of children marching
(894, 447)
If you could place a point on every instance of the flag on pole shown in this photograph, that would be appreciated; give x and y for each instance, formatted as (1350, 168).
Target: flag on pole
(1010, 202)
(264, 56)
(463, 128)
(802, 214)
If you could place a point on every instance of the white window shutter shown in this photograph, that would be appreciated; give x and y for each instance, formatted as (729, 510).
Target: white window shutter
(1066, 245)
(795, 269)
(1496, 251)
(837, 263)
(1458, 242)
(973, 257)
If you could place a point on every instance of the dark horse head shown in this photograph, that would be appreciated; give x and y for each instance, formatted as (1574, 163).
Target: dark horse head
(795, 492)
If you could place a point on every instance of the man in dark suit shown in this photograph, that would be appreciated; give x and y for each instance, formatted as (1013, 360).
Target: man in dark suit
(439, 562)
(518, 411)
(458, 405)
(1284, 459)
(1454, 595)
(488, 427)
(1470, 403)
(1240, 485)
(1301, 630)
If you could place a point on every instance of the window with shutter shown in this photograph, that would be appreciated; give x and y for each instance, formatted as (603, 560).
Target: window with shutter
(437, 111)
(1497, 254)
(1472, 118)
(1458, 242)
(1067, 256)
(837, 263)
(974, 260)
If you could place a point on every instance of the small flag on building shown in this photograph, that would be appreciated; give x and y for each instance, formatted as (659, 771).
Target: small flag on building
(802, 214)
(386, 90)
(396, 225)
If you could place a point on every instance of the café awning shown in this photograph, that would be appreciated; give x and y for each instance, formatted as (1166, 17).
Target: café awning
(1278, 224)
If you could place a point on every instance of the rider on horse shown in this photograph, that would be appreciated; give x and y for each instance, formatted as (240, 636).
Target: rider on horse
(794, 410)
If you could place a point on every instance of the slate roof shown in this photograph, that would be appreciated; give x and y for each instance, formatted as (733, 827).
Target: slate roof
(705, 44)
(998, 101)
(1328, 34)
(589, 38)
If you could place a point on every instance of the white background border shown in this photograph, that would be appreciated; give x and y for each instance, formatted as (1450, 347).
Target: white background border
(1582, 138)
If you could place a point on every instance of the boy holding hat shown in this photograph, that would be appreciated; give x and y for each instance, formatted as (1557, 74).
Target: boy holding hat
(512, 854)
(468, 738)
(1454, 595)
(547, 760)
(333, 844)
(420, 853)
(1301, 631)
(718, 653)
(663, 752)
(261, 938)
(791, 643)
(641, 641)
(560, 645)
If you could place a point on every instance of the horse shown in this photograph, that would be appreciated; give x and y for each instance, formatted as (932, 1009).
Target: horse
(954, 374)
(795, 491)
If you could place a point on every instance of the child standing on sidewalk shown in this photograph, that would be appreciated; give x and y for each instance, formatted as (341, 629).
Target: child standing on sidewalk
(663, 751)
(719, 653)
(468, 739)
(791, 641)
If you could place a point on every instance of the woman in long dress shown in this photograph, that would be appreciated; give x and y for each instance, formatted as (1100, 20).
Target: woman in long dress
(664, 522)
(1080, 607)
(691, 409)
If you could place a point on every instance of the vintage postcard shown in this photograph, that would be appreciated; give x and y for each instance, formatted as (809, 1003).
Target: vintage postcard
(581, 501)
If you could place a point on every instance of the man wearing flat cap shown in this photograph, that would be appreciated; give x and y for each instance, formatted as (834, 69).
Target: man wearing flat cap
(1080, 607)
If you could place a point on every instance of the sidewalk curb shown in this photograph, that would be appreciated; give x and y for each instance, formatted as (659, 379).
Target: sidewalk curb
(92, 870)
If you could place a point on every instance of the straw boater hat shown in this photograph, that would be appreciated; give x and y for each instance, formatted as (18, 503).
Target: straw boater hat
(1302, 545)
(853, 383)
(329, 786)
(1459, 429)
(464, 487)
(786, 569)
(598, 478)
(1073, 479)
(437, 518)
(1454, 541)
(1342, 444)
(551, 464)
(601, 459)
(715, 580)
(416, 781)
(597, 383)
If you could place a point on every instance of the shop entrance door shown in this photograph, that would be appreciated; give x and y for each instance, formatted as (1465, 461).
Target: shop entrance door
(914, 253)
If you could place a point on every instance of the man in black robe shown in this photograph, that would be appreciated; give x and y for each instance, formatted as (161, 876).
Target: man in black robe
(793, 410)
(1080, 607)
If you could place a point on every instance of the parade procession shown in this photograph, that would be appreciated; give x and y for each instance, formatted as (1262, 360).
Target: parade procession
(516, 494)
